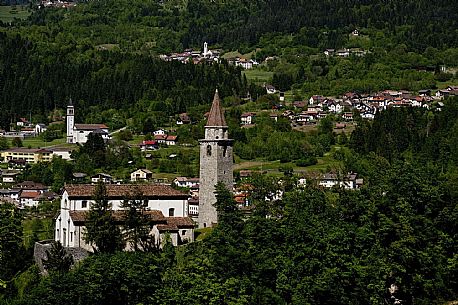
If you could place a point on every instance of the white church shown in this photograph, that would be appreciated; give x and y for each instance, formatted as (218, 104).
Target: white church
(78, 133)
(166, 211)
(167, 208)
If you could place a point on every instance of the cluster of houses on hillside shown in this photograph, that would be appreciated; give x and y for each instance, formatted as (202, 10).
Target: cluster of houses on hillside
(194, 56)
(207, 56)
(27, 194)
(57, 4)
(345, 52)
(367, 105)
(24, 129)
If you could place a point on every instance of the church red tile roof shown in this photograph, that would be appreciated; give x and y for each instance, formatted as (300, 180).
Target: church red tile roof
(90, 126)
(123, 190)
(175, 223)
(216, 116)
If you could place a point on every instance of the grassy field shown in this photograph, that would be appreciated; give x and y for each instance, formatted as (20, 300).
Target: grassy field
(273, 167)
(200, 234)
(42, 226)
(39, 143)
(8, 13)
(443, 85)
(258, 76)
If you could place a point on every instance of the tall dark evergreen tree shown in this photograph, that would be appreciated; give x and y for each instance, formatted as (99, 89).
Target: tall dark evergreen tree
(101, 229)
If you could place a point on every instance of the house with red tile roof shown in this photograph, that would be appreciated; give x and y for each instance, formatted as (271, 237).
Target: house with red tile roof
(166, 209)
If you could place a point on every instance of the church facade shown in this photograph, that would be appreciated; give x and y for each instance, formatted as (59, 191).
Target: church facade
(166, 211)
(216, 162)
(78, 133)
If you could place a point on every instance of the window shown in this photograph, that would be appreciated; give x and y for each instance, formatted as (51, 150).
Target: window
(209, 150)
(183, 232)
(224, 151)
(171, 212)
(71, 237)
(65, 203)
(84, 204)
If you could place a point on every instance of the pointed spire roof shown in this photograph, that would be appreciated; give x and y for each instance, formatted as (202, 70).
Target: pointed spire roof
(216, 116)
(70, 102)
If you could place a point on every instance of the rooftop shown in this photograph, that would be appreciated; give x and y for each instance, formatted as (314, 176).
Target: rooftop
(123, 190)
(216, 116)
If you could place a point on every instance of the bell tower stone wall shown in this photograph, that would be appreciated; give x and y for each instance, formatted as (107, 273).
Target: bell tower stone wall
(216, 163)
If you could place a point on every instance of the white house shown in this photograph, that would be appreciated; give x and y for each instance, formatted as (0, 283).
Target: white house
(171, 140)
(186, 182)
(270, 89)
(166, 209)
(141, 174)
(247, 118)
(29, 198)
(105, 178)
(160, 132)
(39, 128)
(350, 181)
(9, 177)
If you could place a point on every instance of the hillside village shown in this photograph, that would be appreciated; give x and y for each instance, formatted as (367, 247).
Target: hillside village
(172, 217)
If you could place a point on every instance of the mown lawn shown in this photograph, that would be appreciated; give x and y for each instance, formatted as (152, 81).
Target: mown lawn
(258, 76)
(8, 13)
(38, 142)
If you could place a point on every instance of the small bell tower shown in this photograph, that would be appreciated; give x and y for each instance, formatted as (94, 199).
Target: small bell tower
(70, 121)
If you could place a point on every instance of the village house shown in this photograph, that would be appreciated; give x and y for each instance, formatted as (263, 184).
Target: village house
(29, 199)
(161, 200)
(148, 145)
(101, 177)
(347, 116)
(247, 118)
(171, 140)
(23, 122)
(299, 104)
(9, 177)
(186, 182)
(329, 52)
(343, 53)
(183, 118)
(350, 181)
(160, 132)
(63, 152)
(29, 155)
(193, 208)
(39, 128)
(141, 175)
(316, 99)
(16, 164)
(270, 89)
(274, 116)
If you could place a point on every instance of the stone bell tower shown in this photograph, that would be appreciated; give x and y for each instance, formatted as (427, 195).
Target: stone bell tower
(70, 121)
(215, 163)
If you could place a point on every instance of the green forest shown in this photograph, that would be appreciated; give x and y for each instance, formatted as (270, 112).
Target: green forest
(311, 246)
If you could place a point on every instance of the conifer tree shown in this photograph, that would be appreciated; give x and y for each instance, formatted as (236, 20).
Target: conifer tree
(101, 229)
(57, 259)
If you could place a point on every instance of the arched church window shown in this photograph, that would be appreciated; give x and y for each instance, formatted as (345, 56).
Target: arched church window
(224, 151)
(209, 150)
